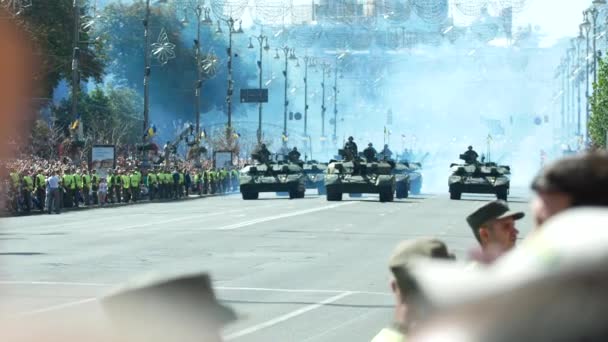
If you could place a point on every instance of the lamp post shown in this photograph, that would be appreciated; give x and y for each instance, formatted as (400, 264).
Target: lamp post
(326, 70)
(75, 60)
(230, 22)
(263, 42)
(202, 17)
(586, 25)
(289, 54)
(577, 80)
(308, 62)
(147, 70)
(335, 135)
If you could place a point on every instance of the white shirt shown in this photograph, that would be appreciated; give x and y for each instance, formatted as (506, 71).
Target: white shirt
(53, 182)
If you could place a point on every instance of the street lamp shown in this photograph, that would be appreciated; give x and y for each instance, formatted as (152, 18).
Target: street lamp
(586, 26)
(263, 42)
(202, 17)
(289, 55)
(308, 62)
(326, 71)
(579, 41)
(232, 29)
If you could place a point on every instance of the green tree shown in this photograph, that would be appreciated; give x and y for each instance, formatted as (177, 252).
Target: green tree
(598, 122)
(171, 85)
(51, 26)
(110, 115)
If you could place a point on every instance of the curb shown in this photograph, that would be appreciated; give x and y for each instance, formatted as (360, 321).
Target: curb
(35, 212)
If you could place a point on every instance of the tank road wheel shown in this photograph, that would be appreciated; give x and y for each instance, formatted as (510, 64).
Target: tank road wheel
(333, 195)
(301, 194)
(455, 195)
(386, 195)
(250, 195)
(321, 189)
(401, 191)
(501, 194)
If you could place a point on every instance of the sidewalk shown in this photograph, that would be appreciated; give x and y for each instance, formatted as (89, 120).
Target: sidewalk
(5, 213)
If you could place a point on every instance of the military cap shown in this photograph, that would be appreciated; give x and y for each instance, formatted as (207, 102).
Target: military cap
(407, 250)
(183, 302)
(494, 210)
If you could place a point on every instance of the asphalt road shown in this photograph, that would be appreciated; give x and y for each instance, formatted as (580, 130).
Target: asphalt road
(296, 270)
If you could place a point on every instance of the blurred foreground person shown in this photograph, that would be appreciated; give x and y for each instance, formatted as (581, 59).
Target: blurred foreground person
(179, 309)
(574, 181)
(551, 288)
(493, 225)
(406, 315)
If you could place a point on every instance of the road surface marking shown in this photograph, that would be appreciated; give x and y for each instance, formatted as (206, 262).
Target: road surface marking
(185, 218)
(286, 317)
(339, 326)
(56, 307)
(281, 216)
(220, 288)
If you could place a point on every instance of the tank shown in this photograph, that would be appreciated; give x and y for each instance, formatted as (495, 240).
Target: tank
(480, 178)
(402, 180)
(315, 175)
(359, 176)
(272, 177)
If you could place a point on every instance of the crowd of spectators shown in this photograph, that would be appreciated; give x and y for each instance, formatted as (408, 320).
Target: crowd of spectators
(34, 184)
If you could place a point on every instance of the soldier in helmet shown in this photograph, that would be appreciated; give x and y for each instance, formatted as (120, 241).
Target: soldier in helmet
(386, 152)
(294, 155)
(370, 153)
(262, 154)
(470, 156)
(350, 149)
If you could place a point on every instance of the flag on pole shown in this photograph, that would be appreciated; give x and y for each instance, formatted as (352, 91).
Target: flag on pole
(236, 135)
(489, 138)
(203, 134)
(74, 125)
(285, 137)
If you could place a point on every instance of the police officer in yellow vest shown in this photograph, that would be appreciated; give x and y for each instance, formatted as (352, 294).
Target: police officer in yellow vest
(78, 182)
(152, 184)
(27, 190)
(86, 186)
(40, 185)
(126, 185)
(70, 189)
(135, 182)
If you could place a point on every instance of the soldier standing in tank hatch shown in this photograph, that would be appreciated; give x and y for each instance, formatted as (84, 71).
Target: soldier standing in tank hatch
(370, 153)
(350, 149)
(386, 153)
(294, 156)
(262, 154)
(470, 156)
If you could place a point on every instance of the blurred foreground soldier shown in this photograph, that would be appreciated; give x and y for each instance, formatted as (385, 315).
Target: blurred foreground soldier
(550, 288)
(386, 152)
(469, 156)
(574, 181)
(493, 225)
(262, 154)
(181, 309)
(405, 314)
(370, 153)
(350, 149)
(294, 156)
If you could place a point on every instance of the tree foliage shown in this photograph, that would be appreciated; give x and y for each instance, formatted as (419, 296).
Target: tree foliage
(598, 122)
(110, 115)
(51, 26)
(171, 85)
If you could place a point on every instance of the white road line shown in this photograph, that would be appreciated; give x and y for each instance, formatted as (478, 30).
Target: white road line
(219, 288)
(56, 307)
(185, 218)
(285, 317)
(281, 216)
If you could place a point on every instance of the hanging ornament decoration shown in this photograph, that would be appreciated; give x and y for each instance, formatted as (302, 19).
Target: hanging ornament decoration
(210, 64)
(226, 9)
(16, 7)
(394, 10)
(516, 5)
(163, 50)
(270, 11)
(431, 11)
(472, 8)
